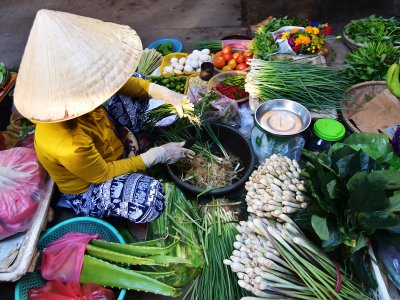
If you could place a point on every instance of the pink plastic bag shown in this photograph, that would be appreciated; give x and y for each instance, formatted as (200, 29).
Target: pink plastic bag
(55, 290)
(62, 259)
(21, 186)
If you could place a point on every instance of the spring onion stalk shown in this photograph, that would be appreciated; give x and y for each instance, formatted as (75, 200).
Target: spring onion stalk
(216, 281)
(316, 87)
(212, 45)
(151, 59)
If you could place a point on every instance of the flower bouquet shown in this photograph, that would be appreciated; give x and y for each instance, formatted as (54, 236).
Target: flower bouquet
(301, 40)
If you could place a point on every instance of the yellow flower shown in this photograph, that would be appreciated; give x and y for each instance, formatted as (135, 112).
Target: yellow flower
(308, 29)
(294, 30)
(285, 35)
(315, 30)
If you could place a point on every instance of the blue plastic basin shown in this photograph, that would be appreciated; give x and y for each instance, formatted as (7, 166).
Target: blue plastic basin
(176, 44)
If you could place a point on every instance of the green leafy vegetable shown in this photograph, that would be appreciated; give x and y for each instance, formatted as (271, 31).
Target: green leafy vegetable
(164, 48)
(371, 62)
(355, 198)
(374, 29)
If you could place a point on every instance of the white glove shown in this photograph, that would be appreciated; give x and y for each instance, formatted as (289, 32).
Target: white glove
(162, 93)
(168, 153)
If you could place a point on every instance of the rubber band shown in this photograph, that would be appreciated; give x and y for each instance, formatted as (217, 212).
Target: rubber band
(338, 286)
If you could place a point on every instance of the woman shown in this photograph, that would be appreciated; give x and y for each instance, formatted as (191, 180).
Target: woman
(70, 67)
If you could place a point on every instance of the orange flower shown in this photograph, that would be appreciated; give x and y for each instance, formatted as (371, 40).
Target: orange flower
(294, 30)
(315, 30)
(306, 40)
(308, 29)
(298, 41)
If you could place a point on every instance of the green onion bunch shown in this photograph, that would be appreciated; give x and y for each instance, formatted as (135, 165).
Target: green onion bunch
(316, 87)
(151, 59)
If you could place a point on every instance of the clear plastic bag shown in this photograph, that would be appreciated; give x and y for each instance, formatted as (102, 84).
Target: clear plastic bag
(62, 260)
(226, 111)
(55, 290)
(21, 186)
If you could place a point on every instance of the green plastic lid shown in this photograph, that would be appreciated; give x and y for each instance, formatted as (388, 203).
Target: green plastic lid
(329, 130)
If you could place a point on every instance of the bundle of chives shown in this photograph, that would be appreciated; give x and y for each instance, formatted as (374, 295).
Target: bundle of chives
(316, 87)
(150, 60)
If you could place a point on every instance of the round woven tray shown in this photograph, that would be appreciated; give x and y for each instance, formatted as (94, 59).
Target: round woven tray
(360, 94)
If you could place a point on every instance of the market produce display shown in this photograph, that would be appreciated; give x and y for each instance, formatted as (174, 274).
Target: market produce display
(150, 60)
(187, 65)
(371, 62)
(315, 87)
(352, 202)
(228, 59)
(232, 87)
(3, 74)
(273, 258)
(374, 29)
(173, 82)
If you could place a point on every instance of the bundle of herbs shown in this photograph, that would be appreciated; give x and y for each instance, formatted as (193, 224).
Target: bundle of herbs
(374, 29)
(212, 167)
(355, 188)
(371, 62)
(316, 87)
(263, 43)
(151, 59)
(220, 219)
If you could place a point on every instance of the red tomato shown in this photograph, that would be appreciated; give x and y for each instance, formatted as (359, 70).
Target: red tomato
(219, 62)
(232, 63)
(241, 66)
(248, 54)
(226, 49)
(235, 55)
(247, 59)
(228, 68)
(240, 59)
(219, 53)
(227, 56)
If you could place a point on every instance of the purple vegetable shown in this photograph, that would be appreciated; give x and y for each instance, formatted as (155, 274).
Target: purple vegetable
(396, 140)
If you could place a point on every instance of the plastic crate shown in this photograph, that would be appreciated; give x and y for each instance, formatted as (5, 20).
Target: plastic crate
(87, 225)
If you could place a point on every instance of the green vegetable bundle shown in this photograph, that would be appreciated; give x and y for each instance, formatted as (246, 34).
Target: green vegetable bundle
(263, 43)
(355, 198)
(164, 48)
(216, 281)
(3, 74)
(371, 62)
(150, 60)
(315, 87)
(374, 29)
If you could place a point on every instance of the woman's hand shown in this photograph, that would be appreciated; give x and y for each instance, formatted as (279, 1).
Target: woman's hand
(168, 153)
(162, 93)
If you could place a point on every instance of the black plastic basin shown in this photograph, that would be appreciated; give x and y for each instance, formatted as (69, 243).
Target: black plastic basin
(234, 143)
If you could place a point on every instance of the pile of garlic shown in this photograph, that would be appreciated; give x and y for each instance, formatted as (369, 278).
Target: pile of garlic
(189, 65)
(275, 188)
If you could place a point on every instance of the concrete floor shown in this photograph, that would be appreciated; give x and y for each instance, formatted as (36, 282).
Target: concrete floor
(186, 20)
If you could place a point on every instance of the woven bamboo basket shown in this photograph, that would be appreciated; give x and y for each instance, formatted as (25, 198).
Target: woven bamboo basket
(360, 94)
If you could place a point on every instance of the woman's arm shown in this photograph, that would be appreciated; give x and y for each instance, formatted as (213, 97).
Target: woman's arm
(86, 162)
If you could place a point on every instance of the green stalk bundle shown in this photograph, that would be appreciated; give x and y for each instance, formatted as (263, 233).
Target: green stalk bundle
(316, 87)
(212, 45)
(150, 60)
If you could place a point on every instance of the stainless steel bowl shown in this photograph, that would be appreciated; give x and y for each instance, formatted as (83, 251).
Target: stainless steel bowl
(282, 117)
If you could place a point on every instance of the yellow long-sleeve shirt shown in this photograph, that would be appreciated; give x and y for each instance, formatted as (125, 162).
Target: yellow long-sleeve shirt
(88, 151)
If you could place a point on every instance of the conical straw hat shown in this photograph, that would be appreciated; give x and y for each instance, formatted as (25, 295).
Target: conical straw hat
(72, 64)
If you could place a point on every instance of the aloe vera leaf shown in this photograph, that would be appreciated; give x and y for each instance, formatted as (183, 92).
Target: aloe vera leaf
(132, 249)
(151, 243)
(120, 257)
(160, 276)
(169, 259)
(106, 274)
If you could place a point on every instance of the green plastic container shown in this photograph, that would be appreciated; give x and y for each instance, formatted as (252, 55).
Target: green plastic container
(325, 132)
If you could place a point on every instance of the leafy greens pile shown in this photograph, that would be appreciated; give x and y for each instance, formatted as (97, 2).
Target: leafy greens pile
(374, 29)
(355, 191)
(371, 62)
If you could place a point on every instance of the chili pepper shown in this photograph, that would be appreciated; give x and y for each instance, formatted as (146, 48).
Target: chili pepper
(233, 92)
(103, 273)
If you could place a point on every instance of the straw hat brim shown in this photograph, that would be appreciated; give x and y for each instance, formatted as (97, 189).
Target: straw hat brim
(72, 64)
